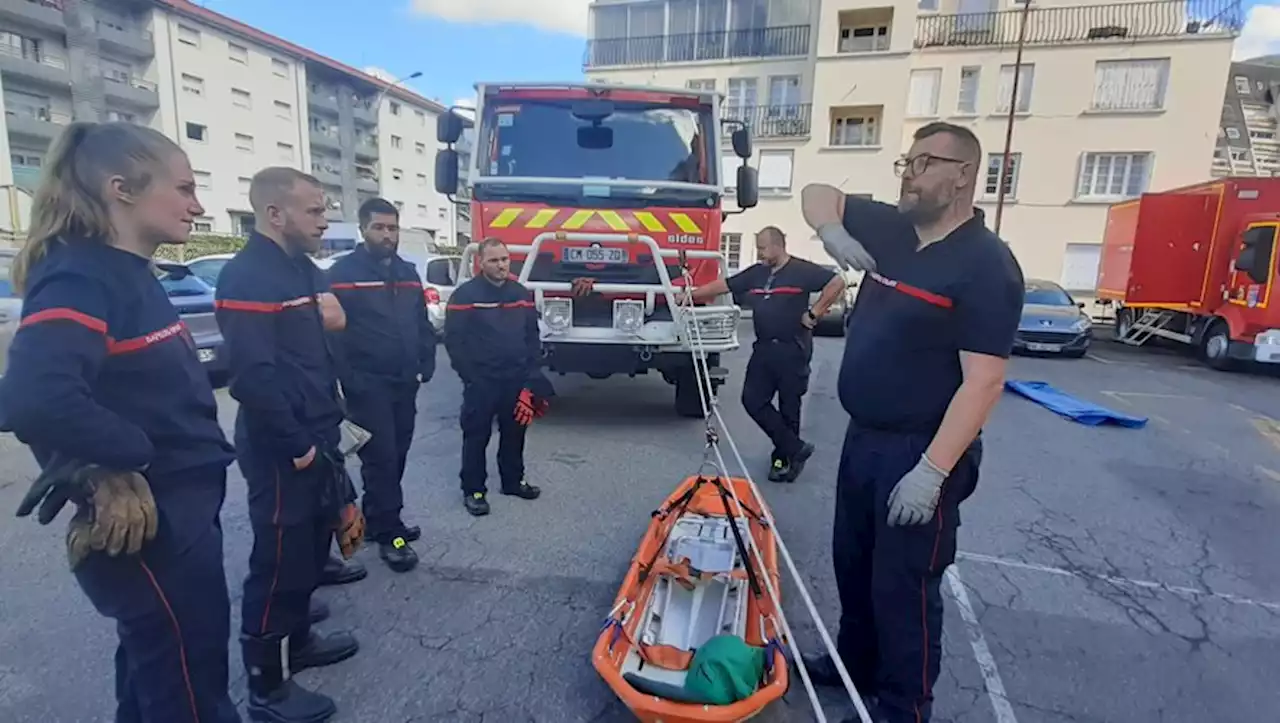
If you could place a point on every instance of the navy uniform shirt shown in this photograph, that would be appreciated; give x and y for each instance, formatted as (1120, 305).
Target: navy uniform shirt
(491, 331)
(779, 297)
(918, 311)
(103, 370)
(388, 335)
(281, 369)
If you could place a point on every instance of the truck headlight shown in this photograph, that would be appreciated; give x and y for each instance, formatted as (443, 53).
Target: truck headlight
(557, 314)
(628, 315)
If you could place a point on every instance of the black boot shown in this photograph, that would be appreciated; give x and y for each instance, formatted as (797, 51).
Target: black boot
(317, 651)
(476, 504)
(338, 572)
(273, 697)
(779, 470)
(796, 464)
(395, 551)
(319, 611)
(524, 491)
(410, 533)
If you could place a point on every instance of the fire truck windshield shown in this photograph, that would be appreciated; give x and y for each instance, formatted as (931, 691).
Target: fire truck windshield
(526, 138)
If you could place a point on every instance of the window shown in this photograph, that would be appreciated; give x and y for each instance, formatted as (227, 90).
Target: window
(784, 91)
(731, 247)
(420, 148)
(241, 98)
(864, 38)
(1233, 134)
(741, 97)
(967, 103)
(775, 171)
(284, 110)
(422, 117)
(422, 210)
(855, 127)
(922, 100)
(197, 132)
(396, 173)
(279, 68)
(1262, 135)
(204, 224)
(1242, 85)
(395, 108)
(1010, 174)
(204, 181)
(705, 84)
(285, 151)
(243, 184)
(1026, 78)
(192, 84)
(1109, 176)
(188, 36)
(1240, 154)
(244, 143)
(442, 214)
(422, 179)
(396, 141)
(238, 53)
(1130, 84)
(927, 5)
(121, 116)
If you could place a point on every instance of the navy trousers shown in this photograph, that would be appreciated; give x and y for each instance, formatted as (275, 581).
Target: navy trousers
(388, 410)
(889, 578)
(777, 368)
(484, 401)
(172, 614)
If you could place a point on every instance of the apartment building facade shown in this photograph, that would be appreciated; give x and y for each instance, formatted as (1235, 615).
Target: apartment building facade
(1109, 101)
(1247, 138)
(235, 98)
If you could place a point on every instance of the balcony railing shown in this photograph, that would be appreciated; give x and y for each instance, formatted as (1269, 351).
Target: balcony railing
(52, 61)
(773, 121)
(133, 81)
(693, 47)
(1083, 24)
(39, 114)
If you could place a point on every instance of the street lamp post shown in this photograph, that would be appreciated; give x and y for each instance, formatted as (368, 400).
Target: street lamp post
(1006, 157)
(377, 104)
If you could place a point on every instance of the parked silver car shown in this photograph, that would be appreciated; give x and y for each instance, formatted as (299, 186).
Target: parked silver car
(10, 307)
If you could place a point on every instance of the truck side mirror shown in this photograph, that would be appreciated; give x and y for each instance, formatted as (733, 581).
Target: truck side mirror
(447, 172)
(449, 127)
(742, 143)
(748, 187)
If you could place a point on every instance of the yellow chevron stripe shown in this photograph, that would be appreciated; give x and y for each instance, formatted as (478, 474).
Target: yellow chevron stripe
(685, 223)
(649, 221)
(578, 219)
(505, 218)
(542, 218)
(614, 220)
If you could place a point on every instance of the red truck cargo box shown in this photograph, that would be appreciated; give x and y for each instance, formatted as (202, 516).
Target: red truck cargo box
(1156, 249)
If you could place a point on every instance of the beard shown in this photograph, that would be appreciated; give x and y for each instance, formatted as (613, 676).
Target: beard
(920, 208)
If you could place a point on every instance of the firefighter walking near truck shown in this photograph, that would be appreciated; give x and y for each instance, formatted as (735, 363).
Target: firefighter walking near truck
(388, 349)
(274, 307)
(777, 290)
(491, 334)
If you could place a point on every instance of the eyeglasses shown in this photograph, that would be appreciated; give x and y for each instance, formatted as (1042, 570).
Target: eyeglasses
(919, 164)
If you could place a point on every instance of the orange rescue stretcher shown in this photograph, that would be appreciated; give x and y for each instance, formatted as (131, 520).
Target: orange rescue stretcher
(694, 577)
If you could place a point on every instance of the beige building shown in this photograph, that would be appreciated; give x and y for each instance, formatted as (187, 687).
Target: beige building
(237, 99)
(1110, 103)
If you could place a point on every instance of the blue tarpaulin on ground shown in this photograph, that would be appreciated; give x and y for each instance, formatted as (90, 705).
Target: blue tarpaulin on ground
(1077, 410)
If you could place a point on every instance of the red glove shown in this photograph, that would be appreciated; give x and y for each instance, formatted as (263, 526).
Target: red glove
(529, 407)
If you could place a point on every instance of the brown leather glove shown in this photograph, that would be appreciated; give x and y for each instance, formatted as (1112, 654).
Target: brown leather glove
(350, 530)
(120, 515)
(583, 286)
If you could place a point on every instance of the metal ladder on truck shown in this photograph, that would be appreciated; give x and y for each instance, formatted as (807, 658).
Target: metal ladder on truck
(1152, 323)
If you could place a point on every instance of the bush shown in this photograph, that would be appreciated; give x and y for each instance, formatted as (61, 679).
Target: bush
(200, 244)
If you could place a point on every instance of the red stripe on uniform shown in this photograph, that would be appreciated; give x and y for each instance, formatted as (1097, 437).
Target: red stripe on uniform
(142, 342)
(353, 285)
(64, 314)
(917, 292)
(484, 305)
(182, 647)
(262, 307)
(779, 290)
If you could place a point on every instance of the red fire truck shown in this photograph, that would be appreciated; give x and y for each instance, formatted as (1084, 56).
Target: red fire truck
(1197, 265)
(621, 186)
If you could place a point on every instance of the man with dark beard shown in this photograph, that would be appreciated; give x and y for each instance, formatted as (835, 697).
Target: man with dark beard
(388, 349)
(924, 364)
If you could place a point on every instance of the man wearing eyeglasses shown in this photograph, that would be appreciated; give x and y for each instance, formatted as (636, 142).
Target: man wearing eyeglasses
(924, 364)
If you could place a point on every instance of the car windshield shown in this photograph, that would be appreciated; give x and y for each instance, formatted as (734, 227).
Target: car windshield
(180, 284)
(638, 141)
(1046, 296)
(208, 270)
(6, 286)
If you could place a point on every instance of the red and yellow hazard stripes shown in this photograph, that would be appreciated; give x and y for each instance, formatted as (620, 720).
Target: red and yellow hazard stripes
(592, 219)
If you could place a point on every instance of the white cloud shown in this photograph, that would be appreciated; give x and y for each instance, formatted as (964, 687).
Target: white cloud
(561, 16)
(1261, 34)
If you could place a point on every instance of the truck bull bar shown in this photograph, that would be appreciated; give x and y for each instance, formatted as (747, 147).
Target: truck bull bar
(717, 324)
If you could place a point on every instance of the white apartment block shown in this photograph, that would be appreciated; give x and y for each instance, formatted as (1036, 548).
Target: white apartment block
(1111, 100)
(235, 98)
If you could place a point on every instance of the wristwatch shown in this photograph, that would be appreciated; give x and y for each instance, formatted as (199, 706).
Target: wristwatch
(809, 313)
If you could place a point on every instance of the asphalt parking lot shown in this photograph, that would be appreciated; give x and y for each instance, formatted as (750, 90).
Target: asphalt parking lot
(1106, 574)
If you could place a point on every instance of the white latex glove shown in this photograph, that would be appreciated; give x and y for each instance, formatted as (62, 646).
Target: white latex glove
(915, 497)
(845, 249)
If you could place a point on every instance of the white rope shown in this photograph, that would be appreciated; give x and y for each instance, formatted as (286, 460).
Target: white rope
(710, 406)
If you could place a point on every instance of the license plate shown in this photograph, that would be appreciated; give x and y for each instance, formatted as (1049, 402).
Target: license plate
(595, 255)
(1033, 346)
(205, 355)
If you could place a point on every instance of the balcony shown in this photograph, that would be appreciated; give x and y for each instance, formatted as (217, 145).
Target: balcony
(44, 14)
(1158, 19)
(363, 112)
(42, 68)
(367, 183)
(326, 139)
(366, 148)
(133, 91)
(130, 42)
(778, 42)
(41, 124)
(327, 173)
(774, 121)
(321, 98)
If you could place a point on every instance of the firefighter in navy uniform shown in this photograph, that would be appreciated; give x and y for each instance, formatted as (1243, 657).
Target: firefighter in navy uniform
(924, 364)
(777, 290)
(103, 383)
(491, 334)
(388, 348)
(274, 306)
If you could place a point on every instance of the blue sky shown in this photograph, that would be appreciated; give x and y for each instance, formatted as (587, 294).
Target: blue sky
(456, 43)
(543, 42)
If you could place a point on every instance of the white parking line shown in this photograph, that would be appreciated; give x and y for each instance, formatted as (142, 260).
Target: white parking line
(1119, 581)
(981, 652)
(1097, 358)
